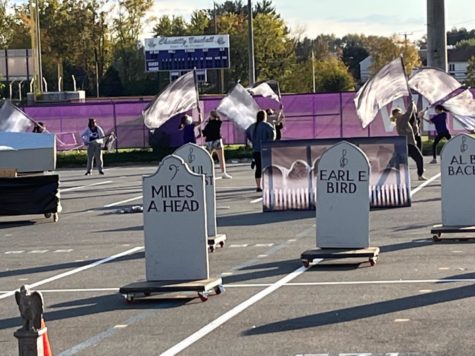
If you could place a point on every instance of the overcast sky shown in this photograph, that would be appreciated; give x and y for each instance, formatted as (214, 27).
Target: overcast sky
(370, 17)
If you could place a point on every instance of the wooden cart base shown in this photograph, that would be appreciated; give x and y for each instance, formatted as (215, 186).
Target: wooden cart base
(438, 230)
(201, 287)
(217, 240)
(371, 253)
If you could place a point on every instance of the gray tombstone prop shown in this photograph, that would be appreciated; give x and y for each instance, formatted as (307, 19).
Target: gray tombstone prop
(201, 162)
(343, 197)
(175, 223)
(458, 181)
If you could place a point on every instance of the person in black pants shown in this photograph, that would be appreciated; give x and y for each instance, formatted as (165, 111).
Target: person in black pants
(404, 128)
(214, 141)
(259, 132)
(440, 123)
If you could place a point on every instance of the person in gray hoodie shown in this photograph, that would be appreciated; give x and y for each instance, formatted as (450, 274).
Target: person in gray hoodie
(93, 138)
(404, 128)
(258, 132)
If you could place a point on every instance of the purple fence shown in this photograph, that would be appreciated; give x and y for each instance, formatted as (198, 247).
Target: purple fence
(307, 116)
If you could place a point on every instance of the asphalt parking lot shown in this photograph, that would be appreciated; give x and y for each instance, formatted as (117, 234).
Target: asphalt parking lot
(417, 300)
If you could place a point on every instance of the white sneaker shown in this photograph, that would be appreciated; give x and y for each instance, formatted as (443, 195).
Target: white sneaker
(421, 178)
(226, 176)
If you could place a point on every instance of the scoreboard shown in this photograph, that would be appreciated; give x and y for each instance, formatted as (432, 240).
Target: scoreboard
(186, 53)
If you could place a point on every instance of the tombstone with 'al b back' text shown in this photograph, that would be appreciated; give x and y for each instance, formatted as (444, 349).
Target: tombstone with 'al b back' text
(457, 167)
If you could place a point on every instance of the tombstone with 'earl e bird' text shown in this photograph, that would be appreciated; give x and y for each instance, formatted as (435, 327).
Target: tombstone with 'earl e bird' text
(343, 174)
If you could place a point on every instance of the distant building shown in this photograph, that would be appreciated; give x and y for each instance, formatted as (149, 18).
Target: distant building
(457, 63)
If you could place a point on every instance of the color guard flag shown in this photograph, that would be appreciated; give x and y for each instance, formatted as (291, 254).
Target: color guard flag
(438, 87)
(462, 108)
(433, 84)
(389, 84)
(178, 97)
(264, 89)
(239, 106)
(12, 119)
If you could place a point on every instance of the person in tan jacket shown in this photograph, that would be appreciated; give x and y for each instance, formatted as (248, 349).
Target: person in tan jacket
(404, 128)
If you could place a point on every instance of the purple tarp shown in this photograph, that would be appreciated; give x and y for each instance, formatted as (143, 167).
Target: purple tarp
(307, 116)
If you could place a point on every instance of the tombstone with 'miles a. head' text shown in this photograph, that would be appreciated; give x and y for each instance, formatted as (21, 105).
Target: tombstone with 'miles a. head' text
(201, 162)
(342, 205)
(176, 246)
(457, 167)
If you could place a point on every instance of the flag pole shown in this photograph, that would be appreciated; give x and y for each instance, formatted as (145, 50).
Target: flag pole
(405, 76)
(195, 78)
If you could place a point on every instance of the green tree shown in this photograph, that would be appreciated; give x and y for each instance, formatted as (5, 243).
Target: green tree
(354, 51)
(200, 24)
(385, 49)
(168, 27)
(466, 43)
(470, 81)
(127, 27)
(274, 49)
(6, 30)
(457, 35)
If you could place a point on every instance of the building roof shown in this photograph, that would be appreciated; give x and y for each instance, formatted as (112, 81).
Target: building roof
(460, 54)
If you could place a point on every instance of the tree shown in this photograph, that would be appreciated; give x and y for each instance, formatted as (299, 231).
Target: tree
(200, 24)
(456, 35)
(274, 49)
(354, 51)
(174, 26)
(127, 28)
(470, 81)
(385, 49)
(466, 43)
(331, 75)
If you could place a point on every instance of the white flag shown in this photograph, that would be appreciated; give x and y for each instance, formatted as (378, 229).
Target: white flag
(12, 119)
(239, 106)
(178, 97)
(389, 84)
(433, 84)
(264, 89)
(462, 108)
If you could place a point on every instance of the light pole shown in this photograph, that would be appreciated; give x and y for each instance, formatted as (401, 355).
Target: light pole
(436, 36)
(36, 44)
(252, 72)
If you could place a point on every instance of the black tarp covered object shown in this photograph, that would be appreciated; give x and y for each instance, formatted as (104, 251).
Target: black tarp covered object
(32, 194)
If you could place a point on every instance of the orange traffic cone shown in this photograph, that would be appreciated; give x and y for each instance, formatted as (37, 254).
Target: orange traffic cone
(46, 345)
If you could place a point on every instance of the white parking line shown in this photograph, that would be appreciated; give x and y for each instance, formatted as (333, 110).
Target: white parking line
(427, 182)
(232, 313)
(76, 270)
(84, 186)
(123, 201)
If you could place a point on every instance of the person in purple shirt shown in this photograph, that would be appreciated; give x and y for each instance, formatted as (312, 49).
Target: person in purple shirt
(440, 123)
(188, 126)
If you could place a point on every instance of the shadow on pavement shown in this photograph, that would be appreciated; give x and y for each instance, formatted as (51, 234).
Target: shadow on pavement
(368, 310)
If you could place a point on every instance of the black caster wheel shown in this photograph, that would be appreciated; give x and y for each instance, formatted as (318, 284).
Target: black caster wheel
(219, 289)
(372, 261)
(221, 244)
(47, 215)
(129, 299)
(211, 248)
(203, 296)
(436, 237)
(306, 263)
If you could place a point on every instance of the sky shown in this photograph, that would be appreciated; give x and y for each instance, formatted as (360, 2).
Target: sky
(340, 17)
